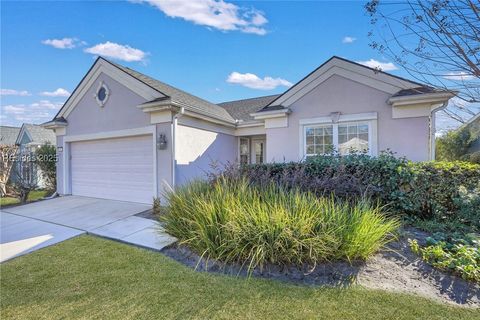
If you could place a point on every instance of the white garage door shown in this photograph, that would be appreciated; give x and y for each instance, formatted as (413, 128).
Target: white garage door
(119, 169)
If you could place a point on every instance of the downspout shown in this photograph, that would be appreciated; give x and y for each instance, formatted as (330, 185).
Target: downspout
(174, 155)
(433, 129)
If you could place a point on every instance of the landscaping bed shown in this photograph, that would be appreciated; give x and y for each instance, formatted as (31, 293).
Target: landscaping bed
(396, 269)
(334, 221)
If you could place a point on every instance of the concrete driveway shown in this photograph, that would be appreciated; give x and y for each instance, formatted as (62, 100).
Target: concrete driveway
(33, 226)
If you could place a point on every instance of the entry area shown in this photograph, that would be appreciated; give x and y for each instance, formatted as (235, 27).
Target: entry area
(252, 149)
(116, 169)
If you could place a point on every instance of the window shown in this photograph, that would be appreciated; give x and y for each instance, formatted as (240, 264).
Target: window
(244, 151)
(352, 137)
(319, 140)
(344, 136)
(102, 94)
(259, 146)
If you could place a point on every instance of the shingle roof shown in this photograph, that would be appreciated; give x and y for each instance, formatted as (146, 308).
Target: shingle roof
(241, 109)
(415, 91)
(39, 134)
(190, 101)
(8, 135)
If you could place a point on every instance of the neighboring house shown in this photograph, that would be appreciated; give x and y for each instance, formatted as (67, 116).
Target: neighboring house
(473, 125)
(8, 135)
(29, 138)
(123, 135)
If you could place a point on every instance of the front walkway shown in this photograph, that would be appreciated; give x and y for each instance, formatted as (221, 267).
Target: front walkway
(33, 226)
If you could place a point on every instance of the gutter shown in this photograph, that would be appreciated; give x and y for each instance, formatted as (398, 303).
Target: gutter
(174, 156)
(433, 129)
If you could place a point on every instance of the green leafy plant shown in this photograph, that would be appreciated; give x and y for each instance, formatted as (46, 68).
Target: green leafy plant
(46, 160)
(453, 145)
(427, 190)
(460, 258)
(233, 221)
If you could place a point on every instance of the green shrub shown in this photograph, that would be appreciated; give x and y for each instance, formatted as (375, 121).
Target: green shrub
(453, 145)
(462, 259)
(425, 189)
(46, 159)
(233, 221)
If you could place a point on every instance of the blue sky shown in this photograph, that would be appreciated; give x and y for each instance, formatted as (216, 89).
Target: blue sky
(218, 51)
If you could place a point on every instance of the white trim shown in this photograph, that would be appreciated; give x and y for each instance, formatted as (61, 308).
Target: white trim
(111, 134)
(250, 124)
(367, 118)
(253, 156)
(437, 97)
(342, 118)
(378, 80)
(60, 131)
(102, 66)
(67, 187)
(155, 161)
(249, 149)
(270, 114)
(101, 103)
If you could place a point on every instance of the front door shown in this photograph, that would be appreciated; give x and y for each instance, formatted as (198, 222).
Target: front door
(258, 150)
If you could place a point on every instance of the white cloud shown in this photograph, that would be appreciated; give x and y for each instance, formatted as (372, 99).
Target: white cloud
(36, 112)
(252, 81)
(348, 39)
(217, 14)
(462, 76)
(384, 66)
(12, 92)
(117, 51)
(60, 92)
(65, 43)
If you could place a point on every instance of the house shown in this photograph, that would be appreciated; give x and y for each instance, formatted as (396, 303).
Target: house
(8, 135)
(124, 135)
(473, 125)
(30, 138)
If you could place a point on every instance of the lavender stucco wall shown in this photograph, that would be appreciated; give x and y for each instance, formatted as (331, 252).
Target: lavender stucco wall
(197, 149)
(120, 111)
(407, 137)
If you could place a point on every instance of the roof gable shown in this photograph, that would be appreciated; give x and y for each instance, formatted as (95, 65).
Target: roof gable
(36, 134)
(8, 135)
(348, 69)
(102, 65)
(145, 86)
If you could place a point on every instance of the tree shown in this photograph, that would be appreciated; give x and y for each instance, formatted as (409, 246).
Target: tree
(453, 145)
(8, 154)
(46, 160)
(25, 174)
(436, 41)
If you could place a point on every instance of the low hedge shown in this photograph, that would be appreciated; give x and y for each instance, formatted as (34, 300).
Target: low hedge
(421, 189)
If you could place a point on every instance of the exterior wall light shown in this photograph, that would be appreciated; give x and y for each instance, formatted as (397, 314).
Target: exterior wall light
(161, 142)
(59, 149)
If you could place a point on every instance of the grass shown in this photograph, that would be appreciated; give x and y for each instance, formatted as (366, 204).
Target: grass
(93, 278)
(34, 195)
(234, 222)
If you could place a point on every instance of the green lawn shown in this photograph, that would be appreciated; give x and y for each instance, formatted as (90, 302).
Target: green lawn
(89, 277)
(34, 195)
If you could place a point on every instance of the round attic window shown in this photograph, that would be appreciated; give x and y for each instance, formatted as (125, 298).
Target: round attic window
(102, 94)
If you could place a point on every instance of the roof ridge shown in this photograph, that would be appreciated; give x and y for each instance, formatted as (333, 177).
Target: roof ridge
(246, 99)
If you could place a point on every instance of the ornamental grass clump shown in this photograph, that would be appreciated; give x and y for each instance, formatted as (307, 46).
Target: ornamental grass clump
(235, 222)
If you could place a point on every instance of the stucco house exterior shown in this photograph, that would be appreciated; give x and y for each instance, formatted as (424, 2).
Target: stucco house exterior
(124, 135)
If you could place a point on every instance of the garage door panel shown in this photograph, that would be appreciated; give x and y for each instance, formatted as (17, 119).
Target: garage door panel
(120, 169)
